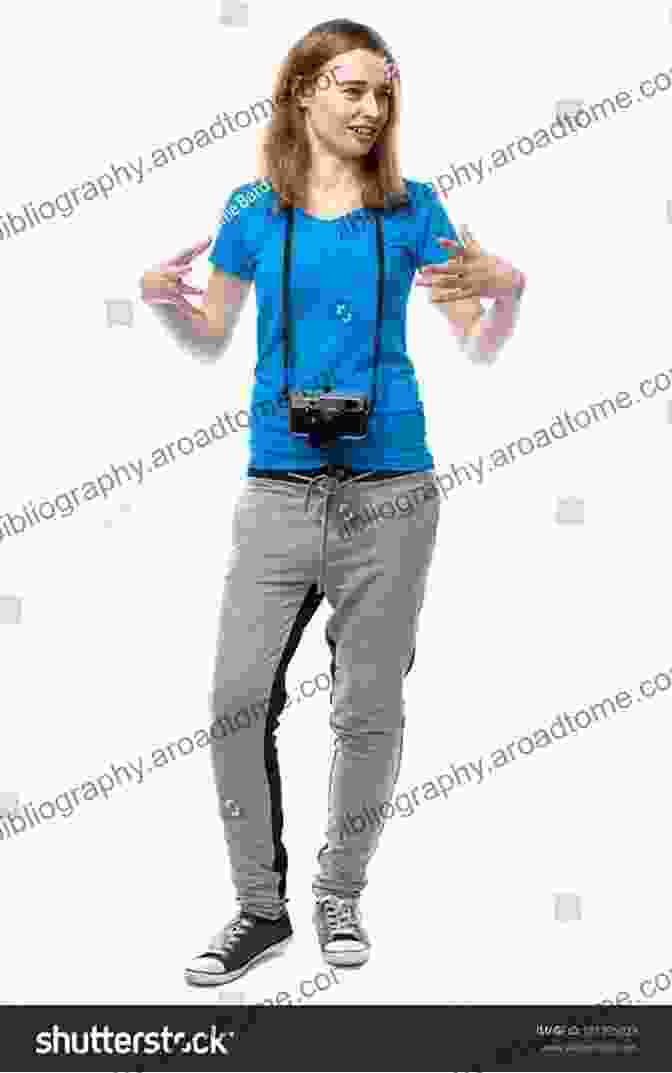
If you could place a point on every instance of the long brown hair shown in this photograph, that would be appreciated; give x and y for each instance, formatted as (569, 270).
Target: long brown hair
(284, 152)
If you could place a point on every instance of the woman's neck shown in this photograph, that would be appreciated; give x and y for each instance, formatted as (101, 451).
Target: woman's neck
(333, 178)
(336, 203)
(332, 192)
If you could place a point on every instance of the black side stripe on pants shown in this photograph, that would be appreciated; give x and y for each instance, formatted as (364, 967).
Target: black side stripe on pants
(278, 700)
(332, 667)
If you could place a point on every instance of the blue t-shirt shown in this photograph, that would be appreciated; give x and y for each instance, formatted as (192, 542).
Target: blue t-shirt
(333, 305)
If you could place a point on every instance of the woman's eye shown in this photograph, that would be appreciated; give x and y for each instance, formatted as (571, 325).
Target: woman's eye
(385, 94)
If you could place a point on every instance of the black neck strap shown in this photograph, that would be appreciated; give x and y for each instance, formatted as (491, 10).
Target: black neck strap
(289, 234)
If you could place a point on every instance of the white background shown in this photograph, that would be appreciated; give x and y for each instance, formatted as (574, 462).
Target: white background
(524, 618)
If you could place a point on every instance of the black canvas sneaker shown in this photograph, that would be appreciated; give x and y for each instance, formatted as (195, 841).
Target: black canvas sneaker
(342, 938)
(233, 950)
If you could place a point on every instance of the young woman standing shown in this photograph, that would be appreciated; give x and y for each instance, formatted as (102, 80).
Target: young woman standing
(331, 237)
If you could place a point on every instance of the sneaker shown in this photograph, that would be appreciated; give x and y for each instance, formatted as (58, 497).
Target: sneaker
(233, 950)
(340, 933)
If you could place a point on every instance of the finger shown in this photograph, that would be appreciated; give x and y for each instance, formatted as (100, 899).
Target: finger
(449, 285)
(188, 310)
(447, 294)
(172, 275)
(455, 285)
(472, 280)
(179, 282)
(181, 259)
(185, 289)
(452, 286)
(175, 281)
(155, 298)
(192, 251)
(434, 285)
(442, 298)
(160, 286)
(450, 269)
(168, 293)
(456, 296)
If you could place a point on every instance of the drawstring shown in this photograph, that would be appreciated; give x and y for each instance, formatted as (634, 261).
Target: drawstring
(327, 484)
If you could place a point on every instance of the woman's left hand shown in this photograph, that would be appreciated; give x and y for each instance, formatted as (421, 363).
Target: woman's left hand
(472, 273)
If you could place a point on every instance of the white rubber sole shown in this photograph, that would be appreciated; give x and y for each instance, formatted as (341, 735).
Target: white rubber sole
(205, 979)
(347, 958)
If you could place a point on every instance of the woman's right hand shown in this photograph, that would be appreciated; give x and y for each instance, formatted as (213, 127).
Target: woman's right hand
(164, 285)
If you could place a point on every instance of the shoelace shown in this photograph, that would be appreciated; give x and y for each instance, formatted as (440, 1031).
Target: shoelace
(231, 933)
(341, 915)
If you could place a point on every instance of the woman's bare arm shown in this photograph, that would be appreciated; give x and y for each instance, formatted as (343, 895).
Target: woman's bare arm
(207, 334)
(480, 334)
(225, 300)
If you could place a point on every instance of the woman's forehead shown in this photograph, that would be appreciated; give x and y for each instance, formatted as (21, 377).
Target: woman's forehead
(360, 69)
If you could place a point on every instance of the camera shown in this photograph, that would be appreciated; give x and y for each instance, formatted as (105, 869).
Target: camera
(324, 417)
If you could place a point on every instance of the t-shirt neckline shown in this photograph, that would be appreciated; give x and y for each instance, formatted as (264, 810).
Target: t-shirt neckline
(329, 219)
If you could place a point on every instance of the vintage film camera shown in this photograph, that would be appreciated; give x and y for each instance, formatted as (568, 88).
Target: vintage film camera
(324, 417)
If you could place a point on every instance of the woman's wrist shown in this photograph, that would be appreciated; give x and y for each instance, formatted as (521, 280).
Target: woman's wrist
(498, 323)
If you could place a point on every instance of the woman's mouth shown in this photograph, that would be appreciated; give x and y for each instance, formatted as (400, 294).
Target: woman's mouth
(364, 134)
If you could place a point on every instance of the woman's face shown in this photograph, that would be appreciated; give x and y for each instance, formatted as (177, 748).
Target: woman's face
(352, 90)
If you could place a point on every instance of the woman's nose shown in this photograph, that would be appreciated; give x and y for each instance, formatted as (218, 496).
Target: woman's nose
(370, 106)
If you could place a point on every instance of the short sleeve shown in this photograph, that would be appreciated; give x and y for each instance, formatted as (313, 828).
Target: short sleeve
(231, 251)
(434, 223)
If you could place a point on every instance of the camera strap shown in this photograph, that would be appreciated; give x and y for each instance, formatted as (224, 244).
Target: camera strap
(289, 234)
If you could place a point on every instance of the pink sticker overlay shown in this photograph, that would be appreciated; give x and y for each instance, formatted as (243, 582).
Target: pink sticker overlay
(345, 72)
(348, 72)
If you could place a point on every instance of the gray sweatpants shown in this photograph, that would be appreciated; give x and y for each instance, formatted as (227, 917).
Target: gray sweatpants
(370, 552)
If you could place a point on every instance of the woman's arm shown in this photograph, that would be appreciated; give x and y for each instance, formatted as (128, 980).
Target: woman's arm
(481, 335)
(225, 300)
(207, 333)
(490, 332)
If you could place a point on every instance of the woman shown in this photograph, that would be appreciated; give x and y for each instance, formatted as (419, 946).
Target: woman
(311, 234)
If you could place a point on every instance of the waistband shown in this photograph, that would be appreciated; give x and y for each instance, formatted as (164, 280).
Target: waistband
(341, 473)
